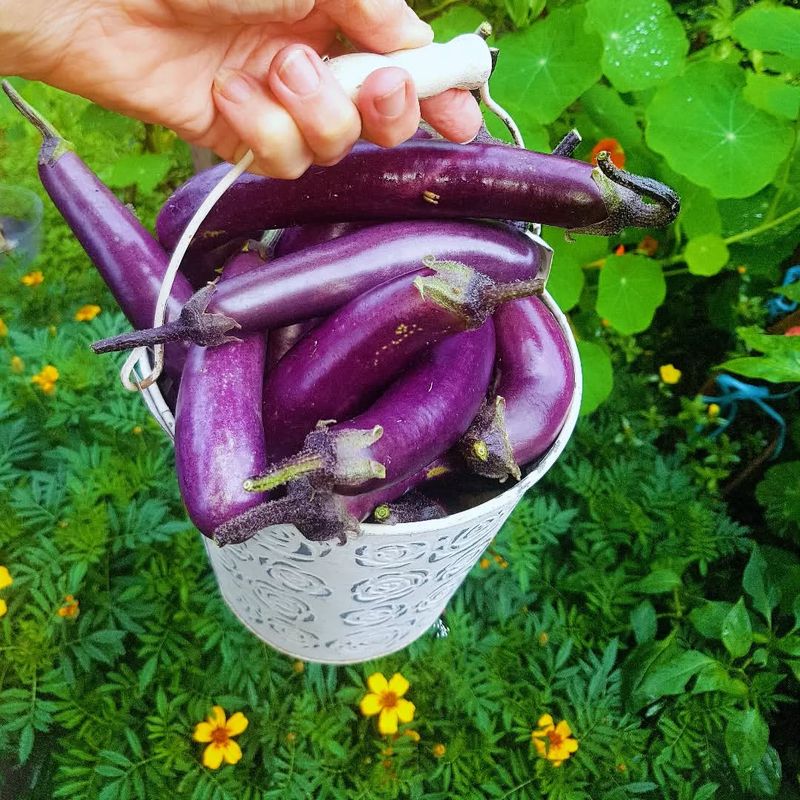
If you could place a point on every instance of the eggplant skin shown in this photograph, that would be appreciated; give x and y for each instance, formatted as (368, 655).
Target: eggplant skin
(535, 375)
(418, 179)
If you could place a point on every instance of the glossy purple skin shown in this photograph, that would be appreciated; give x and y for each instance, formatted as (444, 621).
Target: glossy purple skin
(339, 368)
(536, 375)
(372, 183)
(219, 436)
(299, 237)
(281, 340)
(315, 281)
(129, 259)
(424, 412)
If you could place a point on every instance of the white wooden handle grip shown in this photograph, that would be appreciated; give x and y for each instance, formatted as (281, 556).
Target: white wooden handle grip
(462, 63)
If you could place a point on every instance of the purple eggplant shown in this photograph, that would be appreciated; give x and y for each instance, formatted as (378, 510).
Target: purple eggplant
(316, 281)
(432, 179)
(219, 435)
(418, 418)
(340, 368)
(299, 237)
(534, 389)
(130, 260)
(281, 340)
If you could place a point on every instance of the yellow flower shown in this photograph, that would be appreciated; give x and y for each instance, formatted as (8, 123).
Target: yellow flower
(412, 734)
(70, 609)
(46, 379)
(669, 374)
(438, 750)
(553, 742)
(17, 364)
(385, 698)
(5, 577)
(32, 278)
(3, 607)
(712, 410)
(218, 731)
(136, 430)
(298, 667)
(86, 313)
(544, 638)
(3, 328)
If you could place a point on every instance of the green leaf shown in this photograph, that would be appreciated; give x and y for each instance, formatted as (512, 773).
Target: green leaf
(791, 291)
(766, 778)
(658, 582)
(644, 42)
(569, 258)
(455, 21)
(778, 368)
(598, 375)
(706, 791)
(758, 584)
(715, 678)
(547, 66)
(143, 170)
(706, 255)
(737, 632)
(746, 739)
(707, 131)
(699, 213)
(709, 617)
(25, 743)
(771, 93)
(671, 676)
(779, 494)
(612, 115)
(536, 136)
(643, 622)
(769, 27)
(630, 290)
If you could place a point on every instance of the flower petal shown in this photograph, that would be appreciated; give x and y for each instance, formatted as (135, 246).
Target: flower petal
(3, 607)
(398, 684)
(540, 746)
(570, 745)
(217, 717)
(538, 734)
(370, 704)
(545, 721)
(237, 723)
(212, 756)
(387, 721)
(563, 729)
(202, 732)
(231, 752)
(557, 763)
(405, 710)
(557, 753)
(5, 577)
(377, 683)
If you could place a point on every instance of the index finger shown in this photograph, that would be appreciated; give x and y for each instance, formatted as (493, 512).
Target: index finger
(379, 26)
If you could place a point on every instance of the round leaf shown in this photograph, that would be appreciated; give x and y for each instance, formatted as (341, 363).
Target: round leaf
(707, 254)
(455, 21)
(630, 290)
(769, 27)
(569, 258)
(771, 93)
(707, 131)
(547, 66)
(645, 43)
(598, 376)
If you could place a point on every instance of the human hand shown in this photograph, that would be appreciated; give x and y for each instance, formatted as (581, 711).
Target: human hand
(233, 75)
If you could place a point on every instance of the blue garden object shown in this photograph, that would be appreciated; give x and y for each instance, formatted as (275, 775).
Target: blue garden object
(779, 306)
(733, 391)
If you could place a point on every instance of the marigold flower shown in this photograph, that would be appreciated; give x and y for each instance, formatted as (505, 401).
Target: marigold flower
(17, 364)
(3, 607)
(32, 278)
(46, 379)
(412, 734)
(669, 373)
(87, 312)
(614, 150)
(553, 742)
(438, 750)
(298, 667)
(3, 328)
(386, 699)
(70, 609)
(5, 577)
(485, 563)
(217, 731)
(136, 430)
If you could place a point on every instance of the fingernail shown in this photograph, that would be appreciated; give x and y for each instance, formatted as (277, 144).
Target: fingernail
(392, 103)
(298, 74)
(232, 85)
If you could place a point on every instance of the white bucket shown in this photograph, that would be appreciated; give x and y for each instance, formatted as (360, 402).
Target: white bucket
(343, 604)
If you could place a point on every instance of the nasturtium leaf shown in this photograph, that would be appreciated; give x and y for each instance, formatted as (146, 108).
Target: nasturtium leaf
(455, 21)
(777, 62)
(598, 375)
(737, 632)
(143, 170)
(547, 66)
(630, 290)
(569, 258)
(705, 128)
(769, 27)
(746, 739)
(566, 283)
(535, 136)
(706, 254)
(771, 93)
(612, 115)
(644, 41)
(699, 213)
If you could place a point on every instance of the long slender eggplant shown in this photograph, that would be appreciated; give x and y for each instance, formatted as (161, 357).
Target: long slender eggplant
(418, 418)
(130, 260)
(533, 391)
(433, 179)
(340, 368)
(316, 281)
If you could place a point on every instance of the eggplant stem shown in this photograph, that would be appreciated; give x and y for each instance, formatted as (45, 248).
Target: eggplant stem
(503, 292)
(566, 147)
(177, 330)
(290, 469)
(55, 145)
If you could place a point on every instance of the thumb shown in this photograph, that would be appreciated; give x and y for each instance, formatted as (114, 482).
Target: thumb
(380, 26)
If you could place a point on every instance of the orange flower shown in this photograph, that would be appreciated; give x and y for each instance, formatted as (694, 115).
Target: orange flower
(438, 750)
(553, 742)
(793, 331)
(614, 150)
(217, 731)
(648, 246)
(46, 379)
(70, 609)
(619, 250)
(32, 278)
(86, 313)
(386, 698)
